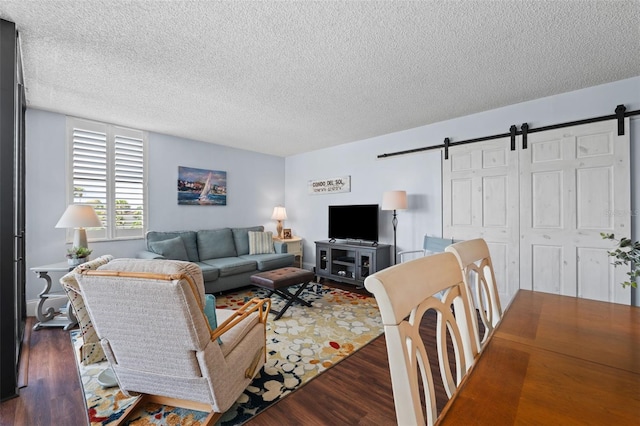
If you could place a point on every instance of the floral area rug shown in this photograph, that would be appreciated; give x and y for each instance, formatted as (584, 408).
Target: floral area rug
(302, 344)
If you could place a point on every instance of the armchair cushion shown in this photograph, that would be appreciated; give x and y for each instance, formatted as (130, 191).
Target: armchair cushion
(172, 248)
(261, 242)
(231, 338)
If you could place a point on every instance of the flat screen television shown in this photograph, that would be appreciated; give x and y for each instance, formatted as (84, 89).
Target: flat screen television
(354, 222)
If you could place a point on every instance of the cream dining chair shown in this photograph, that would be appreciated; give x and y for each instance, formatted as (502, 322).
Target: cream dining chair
(149, 317)
(477, 269)
(404, 293)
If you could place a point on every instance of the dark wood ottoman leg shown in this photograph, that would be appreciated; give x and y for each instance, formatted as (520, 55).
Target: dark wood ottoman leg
(279, 280)
(290, 298)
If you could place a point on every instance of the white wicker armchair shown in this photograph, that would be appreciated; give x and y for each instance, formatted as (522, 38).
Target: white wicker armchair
(149, 317)
(90, 350)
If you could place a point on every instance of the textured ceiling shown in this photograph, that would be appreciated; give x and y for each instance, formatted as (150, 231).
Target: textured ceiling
(290, 77)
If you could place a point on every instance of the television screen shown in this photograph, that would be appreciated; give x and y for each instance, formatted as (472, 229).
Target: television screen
(354, 222)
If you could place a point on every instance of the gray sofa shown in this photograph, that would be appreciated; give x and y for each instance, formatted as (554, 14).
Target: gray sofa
(222, 254)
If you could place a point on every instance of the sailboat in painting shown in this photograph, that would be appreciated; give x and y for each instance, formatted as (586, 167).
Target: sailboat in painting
(204, 195)
(202, 187)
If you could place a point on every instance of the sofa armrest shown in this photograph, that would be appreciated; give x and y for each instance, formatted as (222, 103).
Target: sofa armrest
(145, 254)
(280, 247)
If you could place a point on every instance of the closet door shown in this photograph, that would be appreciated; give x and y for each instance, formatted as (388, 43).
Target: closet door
(480, 200)
(574, 184)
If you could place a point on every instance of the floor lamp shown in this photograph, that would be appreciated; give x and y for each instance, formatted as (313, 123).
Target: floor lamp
(394, 200)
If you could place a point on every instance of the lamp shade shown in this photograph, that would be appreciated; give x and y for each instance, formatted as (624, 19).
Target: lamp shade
(79, 216)
(394, 200)
(279, 213)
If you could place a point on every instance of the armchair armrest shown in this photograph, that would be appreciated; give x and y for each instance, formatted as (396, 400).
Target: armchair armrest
(262, 306)
(145, 254)
(280, 247)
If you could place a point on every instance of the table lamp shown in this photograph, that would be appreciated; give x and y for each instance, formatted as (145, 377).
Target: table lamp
(394, 200)
(279, 214)
(79, 217)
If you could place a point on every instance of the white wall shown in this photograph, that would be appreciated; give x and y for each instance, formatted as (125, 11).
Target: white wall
(256, 181)
(255, 184)
(420, 173)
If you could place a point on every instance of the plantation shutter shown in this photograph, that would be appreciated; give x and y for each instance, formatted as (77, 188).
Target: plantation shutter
(89, 170)
(129, 183)
(107, 169)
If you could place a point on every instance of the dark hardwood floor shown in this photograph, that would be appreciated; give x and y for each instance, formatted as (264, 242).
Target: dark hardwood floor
(53, 395)
(344, 394)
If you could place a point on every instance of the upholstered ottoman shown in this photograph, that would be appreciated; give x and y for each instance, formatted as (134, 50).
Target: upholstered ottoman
(278, 280)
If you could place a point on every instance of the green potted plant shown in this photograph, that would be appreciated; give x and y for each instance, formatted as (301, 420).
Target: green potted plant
(77, 255)
(626, 252)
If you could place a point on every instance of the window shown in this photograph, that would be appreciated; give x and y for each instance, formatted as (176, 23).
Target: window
(107, 170)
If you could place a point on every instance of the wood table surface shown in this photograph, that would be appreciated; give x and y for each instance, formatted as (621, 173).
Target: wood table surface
(555, 360)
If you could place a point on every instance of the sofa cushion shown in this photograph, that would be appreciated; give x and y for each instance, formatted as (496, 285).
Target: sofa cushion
(188, 238)
(232, 265)
(261, 242)
(215, 243)
(209, 273)
(173, 248)
(241, 238)
(267, 262)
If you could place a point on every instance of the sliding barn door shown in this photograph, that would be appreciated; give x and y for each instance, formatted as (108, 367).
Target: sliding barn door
(480, 200)
(575, 184)
(542, 209)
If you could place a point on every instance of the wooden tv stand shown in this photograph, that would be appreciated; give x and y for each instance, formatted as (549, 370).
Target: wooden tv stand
(350, 262)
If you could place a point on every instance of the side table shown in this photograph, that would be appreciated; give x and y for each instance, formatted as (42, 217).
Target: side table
(294, 246)
(49, 318)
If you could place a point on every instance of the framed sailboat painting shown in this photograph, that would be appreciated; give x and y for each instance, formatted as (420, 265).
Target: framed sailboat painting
(200, 187)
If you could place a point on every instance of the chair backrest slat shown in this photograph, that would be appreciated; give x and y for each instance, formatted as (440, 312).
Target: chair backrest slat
(477, 269)
(405, 293)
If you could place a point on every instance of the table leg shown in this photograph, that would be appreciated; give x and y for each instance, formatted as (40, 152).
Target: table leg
(49, 318)
(44, 316)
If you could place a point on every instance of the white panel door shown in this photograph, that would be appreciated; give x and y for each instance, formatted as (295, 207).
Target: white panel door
(480, 200)
(574, 184)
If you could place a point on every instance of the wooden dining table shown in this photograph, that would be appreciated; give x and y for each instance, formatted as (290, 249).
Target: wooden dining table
(554, 360)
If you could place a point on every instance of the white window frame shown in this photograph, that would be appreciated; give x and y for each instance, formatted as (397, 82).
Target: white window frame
(109, 231)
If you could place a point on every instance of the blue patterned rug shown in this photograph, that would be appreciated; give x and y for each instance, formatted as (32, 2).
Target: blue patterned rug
(302, 344)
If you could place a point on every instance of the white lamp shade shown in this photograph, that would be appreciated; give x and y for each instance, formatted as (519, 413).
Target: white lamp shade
(394, 200)
(79, 216)
(279, 213)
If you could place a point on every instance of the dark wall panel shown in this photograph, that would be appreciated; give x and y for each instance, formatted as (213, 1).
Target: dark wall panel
(9, 316)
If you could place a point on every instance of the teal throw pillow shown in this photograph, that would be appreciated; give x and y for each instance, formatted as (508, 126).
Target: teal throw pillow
(173, 248)
(210, 312)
